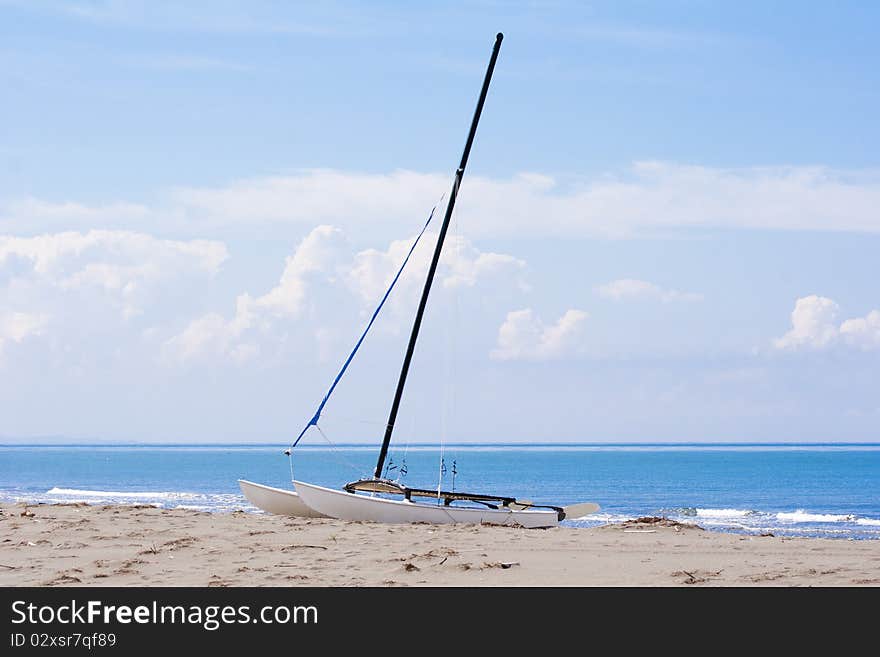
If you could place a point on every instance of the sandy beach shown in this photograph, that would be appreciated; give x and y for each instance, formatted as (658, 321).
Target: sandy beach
(80, 545)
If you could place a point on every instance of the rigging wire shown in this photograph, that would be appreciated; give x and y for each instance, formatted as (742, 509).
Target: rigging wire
(335, 452)
(403, 469)
(449, 364)
(317, 415)
(453, 351)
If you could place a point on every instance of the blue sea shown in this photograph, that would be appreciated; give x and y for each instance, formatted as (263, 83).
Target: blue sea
(828, 490)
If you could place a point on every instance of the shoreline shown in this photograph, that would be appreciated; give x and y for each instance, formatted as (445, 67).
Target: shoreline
(813, 491)
(725, 523)
(79, 544)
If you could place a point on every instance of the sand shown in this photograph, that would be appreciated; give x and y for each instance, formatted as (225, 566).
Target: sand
(79, 545)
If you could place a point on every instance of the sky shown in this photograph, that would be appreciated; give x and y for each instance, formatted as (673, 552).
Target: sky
(668, 231)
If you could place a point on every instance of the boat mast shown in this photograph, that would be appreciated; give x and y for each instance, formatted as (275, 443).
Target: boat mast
(459, 173)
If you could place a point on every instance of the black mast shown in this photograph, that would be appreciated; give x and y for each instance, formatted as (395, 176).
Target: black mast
(433, 268)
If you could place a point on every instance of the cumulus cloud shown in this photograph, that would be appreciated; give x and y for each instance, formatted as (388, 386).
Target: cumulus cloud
(524, 336)
(124, 264)
(320, 252)
(467, 264)
(462, 265)
(324, 265)
(814, 322)
(645, 198)
(633, 288)
(62, 256)
(863, 332)
(16, 326)
(212, 333)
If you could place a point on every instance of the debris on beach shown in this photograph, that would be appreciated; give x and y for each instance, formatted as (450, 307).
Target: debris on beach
(698, 576)
(659, 521)
(504, 565)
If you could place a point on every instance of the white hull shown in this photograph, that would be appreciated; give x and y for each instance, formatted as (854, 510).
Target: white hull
(350, 506)
(276, 500)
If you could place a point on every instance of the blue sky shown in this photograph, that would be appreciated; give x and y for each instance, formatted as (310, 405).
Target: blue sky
(668, 232)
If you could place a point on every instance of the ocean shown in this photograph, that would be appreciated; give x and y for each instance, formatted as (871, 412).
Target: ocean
(828, 490)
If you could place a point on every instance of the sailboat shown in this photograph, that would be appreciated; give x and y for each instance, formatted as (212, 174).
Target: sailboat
(366, 499)
(276, 500)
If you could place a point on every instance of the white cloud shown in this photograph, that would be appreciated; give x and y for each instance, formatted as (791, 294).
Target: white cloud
(29, 211)
(122, 264)
(324, 265)
(814, 326)
(321, 251)
(647, 197)
(212, 334)
(524, 336)
(467, 264)
(650, 195)
(66, 254)
(633, 288)
(462, 265)
(315, 196)
(863, 332)
(813, 323)
(16, 326)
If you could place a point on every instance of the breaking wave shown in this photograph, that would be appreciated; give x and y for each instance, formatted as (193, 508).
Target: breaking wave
(160, 499)
(753, 522)
(799, 522)
(802, 516)
(132, 495)
(723, 513)
(871, 522)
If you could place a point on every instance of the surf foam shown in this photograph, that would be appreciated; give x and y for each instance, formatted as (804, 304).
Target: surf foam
(723, 513)
(802, 516)
(134, 495)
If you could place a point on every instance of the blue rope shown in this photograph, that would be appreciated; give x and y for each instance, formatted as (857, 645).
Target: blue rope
(317, 415)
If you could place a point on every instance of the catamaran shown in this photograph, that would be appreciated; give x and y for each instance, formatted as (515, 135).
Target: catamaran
(276, 500)
(374, 498)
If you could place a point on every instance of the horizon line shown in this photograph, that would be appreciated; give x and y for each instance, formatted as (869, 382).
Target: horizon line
(62, 443)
